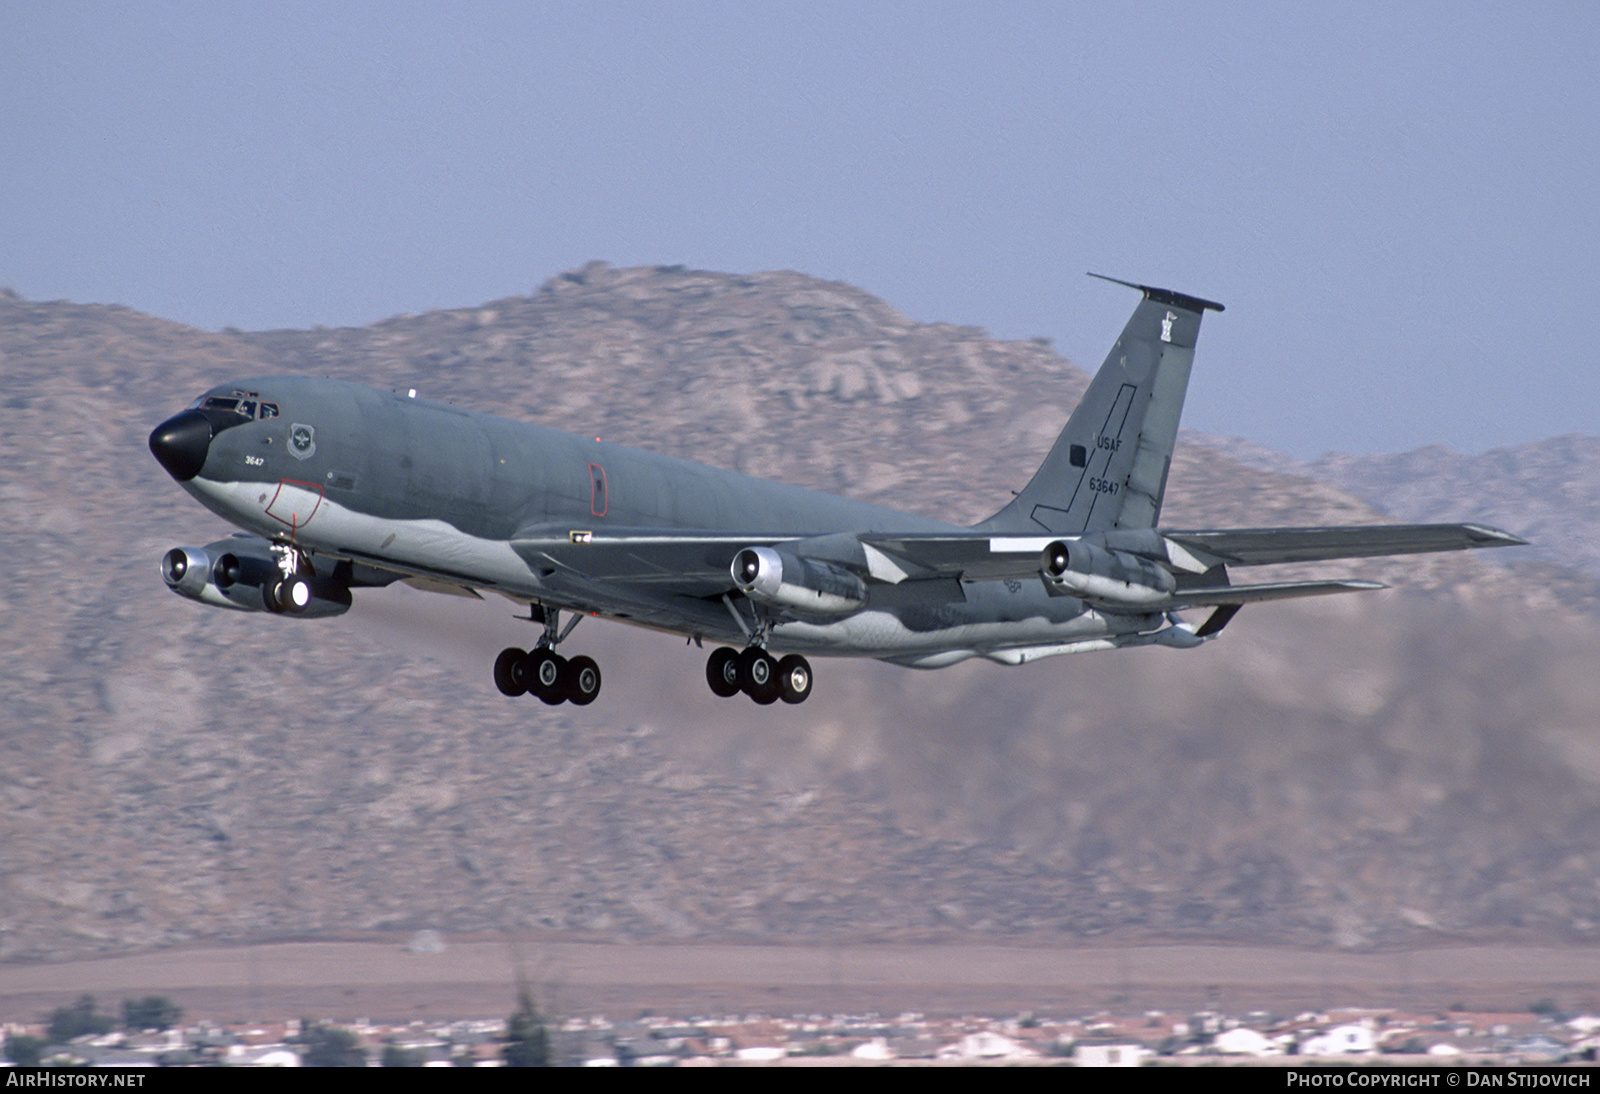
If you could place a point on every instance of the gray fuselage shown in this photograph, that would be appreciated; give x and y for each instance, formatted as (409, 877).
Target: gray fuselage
(447, 495)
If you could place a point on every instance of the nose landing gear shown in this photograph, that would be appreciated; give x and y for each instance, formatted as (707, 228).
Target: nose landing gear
(543, 672)
(289, 593)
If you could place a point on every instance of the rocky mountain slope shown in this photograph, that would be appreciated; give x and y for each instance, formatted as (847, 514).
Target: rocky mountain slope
(1351, 771)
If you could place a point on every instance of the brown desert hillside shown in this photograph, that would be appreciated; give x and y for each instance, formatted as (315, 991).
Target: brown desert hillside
(1364, 770)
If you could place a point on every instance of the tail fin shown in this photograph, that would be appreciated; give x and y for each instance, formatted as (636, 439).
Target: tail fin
(1108, 468)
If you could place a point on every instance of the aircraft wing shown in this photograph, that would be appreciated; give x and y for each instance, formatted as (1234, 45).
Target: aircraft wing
(1258, 546)
(987, 557)
(650, 556)
(691, 562)
(694, 560)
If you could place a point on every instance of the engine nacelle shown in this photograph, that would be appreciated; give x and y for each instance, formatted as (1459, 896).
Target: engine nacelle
(187, 571)
(802, 585)
(1118, 578)
(240, 573)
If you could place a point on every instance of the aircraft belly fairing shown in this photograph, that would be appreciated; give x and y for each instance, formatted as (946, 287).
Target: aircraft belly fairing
(342, 487)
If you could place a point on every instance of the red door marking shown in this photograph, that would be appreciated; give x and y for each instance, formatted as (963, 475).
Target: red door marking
(284, 508)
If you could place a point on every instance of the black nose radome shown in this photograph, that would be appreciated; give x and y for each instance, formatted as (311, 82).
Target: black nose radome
(180, 443)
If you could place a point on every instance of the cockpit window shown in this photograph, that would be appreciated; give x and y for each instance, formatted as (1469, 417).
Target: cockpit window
(227, 411)
(236, 409)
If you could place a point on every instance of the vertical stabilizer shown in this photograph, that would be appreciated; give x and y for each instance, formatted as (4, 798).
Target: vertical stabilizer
(1108, 468)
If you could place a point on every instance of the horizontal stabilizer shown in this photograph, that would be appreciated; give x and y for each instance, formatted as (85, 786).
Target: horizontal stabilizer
(1251, 594)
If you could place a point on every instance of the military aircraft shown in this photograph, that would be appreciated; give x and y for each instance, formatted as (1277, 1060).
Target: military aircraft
(340, 487)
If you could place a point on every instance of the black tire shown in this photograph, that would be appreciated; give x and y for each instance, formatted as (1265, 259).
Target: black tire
(794, 678)
(759, 675)
(538, 672)
(580, 678)
(506, 677)
(722, 672)
(546, 675)
(522, 672)
(294, 594)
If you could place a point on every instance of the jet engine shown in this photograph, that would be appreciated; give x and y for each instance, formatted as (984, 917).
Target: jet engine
(1076, 568)
(801, 585)
(242, 573)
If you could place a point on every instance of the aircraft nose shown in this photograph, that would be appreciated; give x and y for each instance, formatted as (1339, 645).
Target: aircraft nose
(180, 443)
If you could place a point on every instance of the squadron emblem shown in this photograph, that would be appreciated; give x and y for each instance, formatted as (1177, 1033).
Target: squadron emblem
(302, 441)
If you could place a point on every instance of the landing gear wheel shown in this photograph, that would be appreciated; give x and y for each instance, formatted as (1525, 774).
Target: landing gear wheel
(294, 594)
(794, 678)
(543, 669)
(759, 675)
(722, 672)
(269, 597)
(506, 677)
(531, 670)
(580, 680)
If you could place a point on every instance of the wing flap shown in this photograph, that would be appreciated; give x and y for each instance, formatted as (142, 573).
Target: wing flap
(973, 556)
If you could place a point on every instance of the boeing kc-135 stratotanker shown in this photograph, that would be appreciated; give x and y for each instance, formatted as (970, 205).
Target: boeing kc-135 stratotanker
(341, 487)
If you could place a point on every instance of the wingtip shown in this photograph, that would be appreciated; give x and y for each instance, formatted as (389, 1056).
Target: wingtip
(1485, 536)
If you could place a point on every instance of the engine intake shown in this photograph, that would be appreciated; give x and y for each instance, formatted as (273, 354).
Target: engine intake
(186, 570)
(801, 585)
(1116, 578)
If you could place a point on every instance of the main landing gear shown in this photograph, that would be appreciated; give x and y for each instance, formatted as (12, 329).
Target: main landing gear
(543, 672)
(759, 675)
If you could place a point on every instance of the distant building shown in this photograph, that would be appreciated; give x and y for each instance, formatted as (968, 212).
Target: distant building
(1126, 1054)
(986, 1045)
(1242, 1041)
(1340, 1041)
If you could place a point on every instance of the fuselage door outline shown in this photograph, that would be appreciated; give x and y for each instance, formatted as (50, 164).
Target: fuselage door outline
(290, 498)
(598, 502)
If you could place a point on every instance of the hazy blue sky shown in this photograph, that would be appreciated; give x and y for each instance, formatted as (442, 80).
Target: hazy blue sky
(1398, 203)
